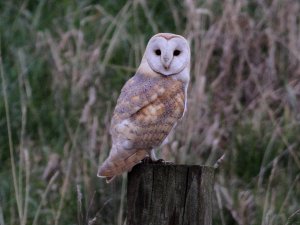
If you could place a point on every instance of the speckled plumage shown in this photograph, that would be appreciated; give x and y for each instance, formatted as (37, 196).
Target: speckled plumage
(149, 106)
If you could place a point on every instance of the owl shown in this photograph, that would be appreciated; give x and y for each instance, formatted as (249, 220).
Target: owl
(150, 104)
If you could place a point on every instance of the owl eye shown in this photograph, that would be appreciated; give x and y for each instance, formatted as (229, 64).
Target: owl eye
(157, 52)
(176, 52)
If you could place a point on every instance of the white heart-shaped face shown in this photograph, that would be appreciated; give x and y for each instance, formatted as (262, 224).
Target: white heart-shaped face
(168, 56)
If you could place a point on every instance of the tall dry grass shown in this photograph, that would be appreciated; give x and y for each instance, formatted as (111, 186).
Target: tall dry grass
(63, 64)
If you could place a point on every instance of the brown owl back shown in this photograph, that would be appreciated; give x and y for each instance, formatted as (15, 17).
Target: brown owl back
(146, 111)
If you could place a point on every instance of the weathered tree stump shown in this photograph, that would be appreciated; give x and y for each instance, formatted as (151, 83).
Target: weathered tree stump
(170, 195)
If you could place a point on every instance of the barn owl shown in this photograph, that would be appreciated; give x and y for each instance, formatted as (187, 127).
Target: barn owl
(150, 104)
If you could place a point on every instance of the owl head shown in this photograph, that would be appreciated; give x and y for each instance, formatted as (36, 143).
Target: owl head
(167, 54)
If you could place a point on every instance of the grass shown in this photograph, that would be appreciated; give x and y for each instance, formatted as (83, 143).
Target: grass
(63, 65)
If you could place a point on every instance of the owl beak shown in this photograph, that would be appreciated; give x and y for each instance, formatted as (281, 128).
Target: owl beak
(166, 61)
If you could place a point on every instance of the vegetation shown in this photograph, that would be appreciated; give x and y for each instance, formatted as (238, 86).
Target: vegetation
(63, 64)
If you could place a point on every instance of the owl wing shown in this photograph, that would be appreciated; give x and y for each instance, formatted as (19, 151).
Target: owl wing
(146, 111)
(138, 92)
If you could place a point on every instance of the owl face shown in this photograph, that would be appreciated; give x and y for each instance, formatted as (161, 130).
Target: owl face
(168, 54)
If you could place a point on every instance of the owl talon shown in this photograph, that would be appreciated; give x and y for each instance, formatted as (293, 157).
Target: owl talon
(164, 162)
(148, 160)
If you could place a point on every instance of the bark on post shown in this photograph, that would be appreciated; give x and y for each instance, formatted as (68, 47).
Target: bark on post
(170, 195)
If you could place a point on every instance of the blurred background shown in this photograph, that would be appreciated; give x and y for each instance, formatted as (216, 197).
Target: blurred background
(63, 64)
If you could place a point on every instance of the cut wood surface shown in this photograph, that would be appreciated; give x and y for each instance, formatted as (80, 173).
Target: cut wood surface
(160, 194)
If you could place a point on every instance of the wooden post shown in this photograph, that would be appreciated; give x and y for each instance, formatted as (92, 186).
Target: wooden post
(160, 194)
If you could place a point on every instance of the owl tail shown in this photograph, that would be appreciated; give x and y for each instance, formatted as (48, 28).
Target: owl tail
(118, 162)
